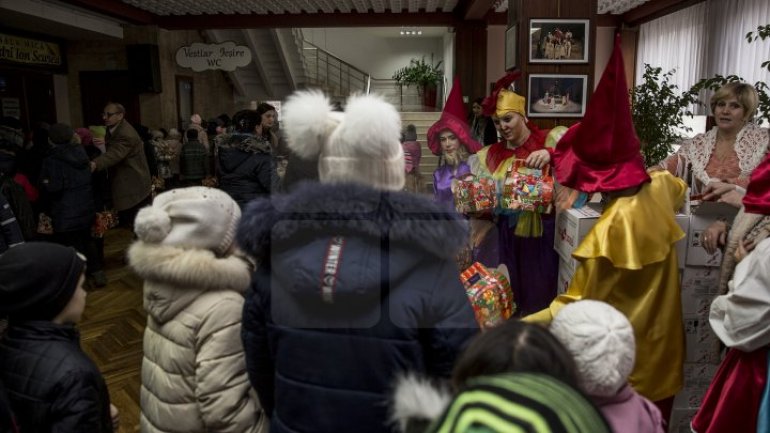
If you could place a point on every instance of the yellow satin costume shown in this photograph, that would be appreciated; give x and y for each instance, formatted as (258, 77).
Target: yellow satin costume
(629, 261)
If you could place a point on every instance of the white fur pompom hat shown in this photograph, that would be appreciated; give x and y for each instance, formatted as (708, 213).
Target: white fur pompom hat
(602, 341)
(195, 217)
(361, 145)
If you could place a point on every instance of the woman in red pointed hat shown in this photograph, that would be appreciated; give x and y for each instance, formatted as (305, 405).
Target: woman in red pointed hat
(524, 239)
(628, 259)
(450, 138)
(737, 396)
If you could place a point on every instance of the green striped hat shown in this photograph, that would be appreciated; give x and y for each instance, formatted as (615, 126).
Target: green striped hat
(519, 402)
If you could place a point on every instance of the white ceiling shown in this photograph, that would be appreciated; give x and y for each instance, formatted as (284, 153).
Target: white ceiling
(263, 7)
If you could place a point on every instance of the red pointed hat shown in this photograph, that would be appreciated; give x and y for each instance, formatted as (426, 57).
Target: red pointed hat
(757, 199)
(602, 153)
(453, 119)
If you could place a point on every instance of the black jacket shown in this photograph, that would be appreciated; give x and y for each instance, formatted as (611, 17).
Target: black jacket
(246, 169)
(10, 232)
(51, 383)
(354, 287)
(65, 178)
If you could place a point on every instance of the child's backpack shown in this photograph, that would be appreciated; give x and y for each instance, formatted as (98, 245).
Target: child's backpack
(22, 209)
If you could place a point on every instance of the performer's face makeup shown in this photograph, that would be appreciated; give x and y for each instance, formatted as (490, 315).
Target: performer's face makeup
(449, 141)
(512, 126)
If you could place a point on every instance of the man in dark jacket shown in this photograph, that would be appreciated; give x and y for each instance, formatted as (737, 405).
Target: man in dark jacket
(51, 384)
(356, 281)
(245, 163)
(193, 161)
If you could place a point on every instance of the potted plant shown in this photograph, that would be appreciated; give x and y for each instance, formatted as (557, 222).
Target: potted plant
(657, 109)
(422, 74)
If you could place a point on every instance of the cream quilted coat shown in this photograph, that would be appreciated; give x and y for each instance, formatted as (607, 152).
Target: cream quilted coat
(194, 372)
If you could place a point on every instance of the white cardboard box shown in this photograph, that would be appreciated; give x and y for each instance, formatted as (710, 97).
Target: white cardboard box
(681, 246)
(701, 344)
(697, 378)
(680, 420)
(572, 225)
(696, 254)
(700, 285)
(566, 272)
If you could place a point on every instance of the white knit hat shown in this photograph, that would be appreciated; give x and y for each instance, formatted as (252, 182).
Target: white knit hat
(194, 217)
(361, 145)
(602, 341)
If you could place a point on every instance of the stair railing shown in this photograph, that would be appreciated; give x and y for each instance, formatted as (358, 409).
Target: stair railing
(336, 76)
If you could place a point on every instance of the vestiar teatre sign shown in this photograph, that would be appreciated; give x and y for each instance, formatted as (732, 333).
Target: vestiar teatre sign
(226, 56)
(29, 51)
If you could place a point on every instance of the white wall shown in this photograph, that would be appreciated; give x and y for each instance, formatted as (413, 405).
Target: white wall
(379, 56)
(449, 62)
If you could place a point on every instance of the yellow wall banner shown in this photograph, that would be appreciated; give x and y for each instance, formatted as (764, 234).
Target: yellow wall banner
(31, 51)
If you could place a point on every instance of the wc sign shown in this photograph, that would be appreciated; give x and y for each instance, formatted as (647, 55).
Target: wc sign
(225, 56)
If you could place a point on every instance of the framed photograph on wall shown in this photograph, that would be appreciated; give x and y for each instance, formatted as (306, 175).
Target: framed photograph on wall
(510, 47)
(558, 41)
(554, 95)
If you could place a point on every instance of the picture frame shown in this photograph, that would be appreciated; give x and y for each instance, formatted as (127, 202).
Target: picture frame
(558, 40)
(510, 47)
(557, 95)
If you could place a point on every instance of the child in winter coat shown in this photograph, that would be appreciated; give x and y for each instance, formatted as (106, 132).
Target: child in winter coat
(194, 371)
(601, 340)
(51, 383)
(65, 178)
(512, 347)
(193, 162)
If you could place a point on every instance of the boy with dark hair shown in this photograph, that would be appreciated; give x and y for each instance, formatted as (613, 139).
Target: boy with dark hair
(193, 162)
(51, 383)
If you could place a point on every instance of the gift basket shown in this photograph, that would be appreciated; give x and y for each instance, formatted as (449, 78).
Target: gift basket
(490, 294)
(475, 194)
(527, 189)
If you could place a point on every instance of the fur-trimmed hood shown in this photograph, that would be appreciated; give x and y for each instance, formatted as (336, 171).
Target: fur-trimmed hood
(349, 238)
(417, 402)
(175, 277)
(352, 209)
(246, 142)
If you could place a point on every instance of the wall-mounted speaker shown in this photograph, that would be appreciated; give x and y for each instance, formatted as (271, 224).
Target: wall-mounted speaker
(144, 67)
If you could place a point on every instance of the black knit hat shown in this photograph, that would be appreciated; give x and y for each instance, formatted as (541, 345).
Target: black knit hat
(60, 133)
(38, 279)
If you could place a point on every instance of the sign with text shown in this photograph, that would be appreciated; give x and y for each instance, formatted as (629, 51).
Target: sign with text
(225, 56)
(29, 51)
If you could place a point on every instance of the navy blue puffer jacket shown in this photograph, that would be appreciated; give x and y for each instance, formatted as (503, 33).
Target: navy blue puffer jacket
(50, 382)
(66, 179)
(354, 287)
(246, 169)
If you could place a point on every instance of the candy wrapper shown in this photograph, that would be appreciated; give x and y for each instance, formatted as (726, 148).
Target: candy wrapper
(528, 189)
(474, 194)
(490, 294)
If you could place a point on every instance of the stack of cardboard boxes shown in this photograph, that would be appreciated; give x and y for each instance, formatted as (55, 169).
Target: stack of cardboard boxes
(700, 282)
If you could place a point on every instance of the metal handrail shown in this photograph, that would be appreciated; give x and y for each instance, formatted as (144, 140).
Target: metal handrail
(332, 73)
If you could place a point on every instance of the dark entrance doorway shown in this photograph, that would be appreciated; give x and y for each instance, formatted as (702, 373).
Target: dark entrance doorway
(28, 96)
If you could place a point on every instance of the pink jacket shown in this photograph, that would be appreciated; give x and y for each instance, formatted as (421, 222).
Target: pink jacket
(629, 412)
(412, 154)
